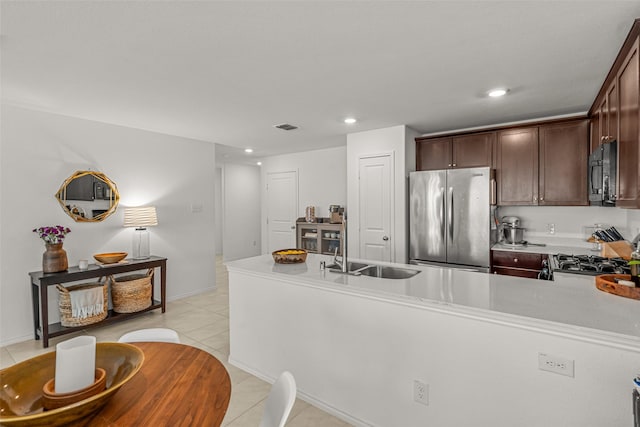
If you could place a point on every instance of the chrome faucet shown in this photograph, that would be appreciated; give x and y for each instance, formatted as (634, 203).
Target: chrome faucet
(342, 263)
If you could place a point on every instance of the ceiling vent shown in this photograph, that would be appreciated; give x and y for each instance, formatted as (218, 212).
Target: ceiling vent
(286, 126)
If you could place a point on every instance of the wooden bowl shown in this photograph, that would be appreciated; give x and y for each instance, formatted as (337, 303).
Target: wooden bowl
(110, 257)
(53, 400)
(21, 395)
(289, 256)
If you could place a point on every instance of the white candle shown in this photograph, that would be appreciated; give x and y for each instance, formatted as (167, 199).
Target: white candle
(75, 364)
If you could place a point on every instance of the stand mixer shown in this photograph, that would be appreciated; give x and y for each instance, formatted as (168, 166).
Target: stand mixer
(511, 233)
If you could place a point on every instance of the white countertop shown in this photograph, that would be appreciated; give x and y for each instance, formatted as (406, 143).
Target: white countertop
(571, 305)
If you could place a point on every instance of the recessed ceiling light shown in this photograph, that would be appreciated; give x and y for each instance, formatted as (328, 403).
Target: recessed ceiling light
(495, 93)
(248, 150)
(350, 120)
(259, 163)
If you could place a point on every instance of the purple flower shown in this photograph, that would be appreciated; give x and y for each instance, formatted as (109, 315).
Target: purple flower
(52, 234)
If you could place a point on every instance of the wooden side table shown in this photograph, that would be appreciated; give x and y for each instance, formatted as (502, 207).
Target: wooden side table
(40, 283)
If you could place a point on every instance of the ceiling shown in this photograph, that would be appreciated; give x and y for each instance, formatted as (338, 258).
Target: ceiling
(227, 72)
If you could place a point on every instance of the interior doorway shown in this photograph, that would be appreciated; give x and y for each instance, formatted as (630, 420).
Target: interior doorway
(282, 208)
(375, 195)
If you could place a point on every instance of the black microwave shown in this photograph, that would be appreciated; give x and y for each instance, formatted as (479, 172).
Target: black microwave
(603, 163)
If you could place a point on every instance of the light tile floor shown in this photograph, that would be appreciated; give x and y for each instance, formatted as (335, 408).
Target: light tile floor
(201, 321)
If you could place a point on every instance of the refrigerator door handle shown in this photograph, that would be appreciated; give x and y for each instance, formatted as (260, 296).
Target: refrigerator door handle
(442, 211)
(450, 214)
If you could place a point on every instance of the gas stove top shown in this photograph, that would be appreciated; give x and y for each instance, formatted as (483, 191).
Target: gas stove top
(590, 265)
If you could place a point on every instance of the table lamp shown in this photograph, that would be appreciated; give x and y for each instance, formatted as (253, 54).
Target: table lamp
(141, 218)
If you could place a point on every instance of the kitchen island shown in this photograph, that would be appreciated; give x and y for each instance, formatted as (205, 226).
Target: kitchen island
(357, 344)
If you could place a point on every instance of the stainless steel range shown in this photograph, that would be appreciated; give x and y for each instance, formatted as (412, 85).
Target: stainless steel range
(590, 265)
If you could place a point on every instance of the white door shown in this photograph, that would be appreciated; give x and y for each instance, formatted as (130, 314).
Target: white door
(282, 206)
(375, 207)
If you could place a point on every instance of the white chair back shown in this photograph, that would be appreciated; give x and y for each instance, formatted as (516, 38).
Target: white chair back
(280, 401)
(151, 335)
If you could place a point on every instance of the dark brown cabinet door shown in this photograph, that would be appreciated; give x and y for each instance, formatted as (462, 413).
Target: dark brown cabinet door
(594, 130)
(517, 166)
(629, 131)
(432, 154)
(604, 120)
(612, 113)
(470, 151)
(563, 164)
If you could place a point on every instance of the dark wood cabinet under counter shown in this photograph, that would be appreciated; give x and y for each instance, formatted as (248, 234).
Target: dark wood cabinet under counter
(516, 263)
(40, 283)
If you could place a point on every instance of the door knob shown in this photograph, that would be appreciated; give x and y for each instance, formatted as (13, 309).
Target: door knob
(385, 238)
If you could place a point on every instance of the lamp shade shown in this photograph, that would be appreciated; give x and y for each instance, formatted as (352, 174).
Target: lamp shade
(140, 217)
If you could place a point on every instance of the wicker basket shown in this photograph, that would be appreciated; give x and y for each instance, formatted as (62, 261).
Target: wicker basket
(66, 317)
(131, 293)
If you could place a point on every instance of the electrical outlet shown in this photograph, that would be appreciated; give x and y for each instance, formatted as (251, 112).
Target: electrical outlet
(555, 364)
(196, 207)
(421, 392)
(551, 228)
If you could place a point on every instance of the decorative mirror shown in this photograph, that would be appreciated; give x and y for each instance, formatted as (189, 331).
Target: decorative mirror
(88, 196)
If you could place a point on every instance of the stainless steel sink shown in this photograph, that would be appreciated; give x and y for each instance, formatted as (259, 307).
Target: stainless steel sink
(373, 270)
(385, 272)
(355, 266)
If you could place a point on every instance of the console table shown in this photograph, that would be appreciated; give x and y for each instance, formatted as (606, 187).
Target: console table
(40, 283)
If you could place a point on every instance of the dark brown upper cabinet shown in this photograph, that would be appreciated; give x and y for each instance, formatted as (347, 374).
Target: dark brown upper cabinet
(615, 115)
(462, 151)
(517, 166)
(564, 153)
(432, 154)
(629, 141)
(544, 165)
(604, 121)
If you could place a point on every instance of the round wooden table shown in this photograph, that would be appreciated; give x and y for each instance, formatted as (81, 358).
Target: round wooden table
(178, 385)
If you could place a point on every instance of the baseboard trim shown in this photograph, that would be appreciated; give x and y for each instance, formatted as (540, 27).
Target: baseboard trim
(303, 395)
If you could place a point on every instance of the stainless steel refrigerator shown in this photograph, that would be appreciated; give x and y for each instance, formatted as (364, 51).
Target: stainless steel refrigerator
(450, 217)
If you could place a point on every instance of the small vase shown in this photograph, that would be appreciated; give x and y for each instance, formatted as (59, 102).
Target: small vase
(54, 259)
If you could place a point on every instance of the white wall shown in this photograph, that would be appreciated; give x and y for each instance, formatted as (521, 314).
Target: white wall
(38, 151)
(570, 221)
(241, 206)
(321, 180)
(633, 223)
(400, 141)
